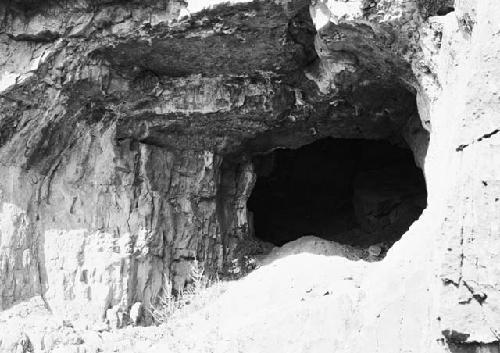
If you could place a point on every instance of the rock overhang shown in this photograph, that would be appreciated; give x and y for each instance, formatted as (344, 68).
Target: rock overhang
(237, 40)
(371, 89)
(269, 66)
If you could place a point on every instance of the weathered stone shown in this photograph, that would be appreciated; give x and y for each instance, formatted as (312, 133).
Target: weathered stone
(19, 343)
(127, 134)
(136, 313)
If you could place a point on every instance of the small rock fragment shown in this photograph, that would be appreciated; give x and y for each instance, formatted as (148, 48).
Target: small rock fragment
(374, 250)
(24, 344)
(136, 312)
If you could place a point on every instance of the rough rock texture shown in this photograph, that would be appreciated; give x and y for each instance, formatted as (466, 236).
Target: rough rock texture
(126, 136)
(30, 321)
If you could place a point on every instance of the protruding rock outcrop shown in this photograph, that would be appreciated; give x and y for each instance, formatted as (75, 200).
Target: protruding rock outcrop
(127, 133)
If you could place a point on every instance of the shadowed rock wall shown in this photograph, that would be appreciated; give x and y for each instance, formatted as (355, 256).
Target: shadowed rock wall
(116, 119)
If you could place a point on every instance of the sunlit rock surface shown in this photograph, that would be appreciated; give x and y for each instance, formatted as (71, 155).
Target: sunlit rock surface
(127, 132)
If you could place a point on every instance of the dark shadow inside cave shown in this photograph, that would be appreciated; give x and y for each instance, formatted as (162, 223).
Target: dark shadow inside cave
(352, 191)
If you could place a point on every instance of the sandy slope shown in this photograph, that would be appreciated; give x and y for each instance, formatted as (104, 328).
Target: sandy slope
(289, 304)
(284, 306)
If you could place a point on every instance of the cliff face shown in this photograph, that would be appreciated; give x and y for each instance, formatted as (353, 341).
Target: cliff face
(448, 286)
(127, 133)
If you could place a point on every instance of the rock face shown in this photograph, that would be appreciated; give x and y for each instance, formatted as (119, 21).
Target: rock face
(127, 134)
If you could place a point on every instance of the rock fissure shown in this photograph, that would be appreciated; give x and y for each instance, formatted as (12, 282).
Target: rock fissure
(479, 139)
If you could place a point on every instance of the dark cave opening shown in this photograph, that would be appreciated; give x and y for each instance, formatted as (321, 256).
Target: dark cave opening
(352, 191)
(444, 10)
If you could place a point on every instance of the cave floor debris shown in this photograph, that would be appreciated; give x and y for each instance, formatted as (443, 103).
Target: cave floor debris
(291, 290)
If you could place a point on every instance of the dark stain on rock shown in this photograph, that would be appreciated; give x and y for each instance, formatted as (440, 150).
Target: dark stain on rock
(455, 336)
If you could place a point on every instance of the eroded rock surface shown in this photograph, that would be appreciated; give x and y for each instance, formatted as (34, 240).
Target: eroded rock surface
(127, 133)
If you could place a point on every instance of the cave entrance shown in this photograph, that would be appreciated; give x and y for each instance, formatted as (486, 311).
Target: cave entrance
(352, 191)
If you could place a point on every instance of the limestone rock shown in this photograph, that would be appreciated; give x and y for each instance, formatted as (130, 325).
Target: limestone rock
(127, 138)
(375, 250)
(136, 313)
(20, 343)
